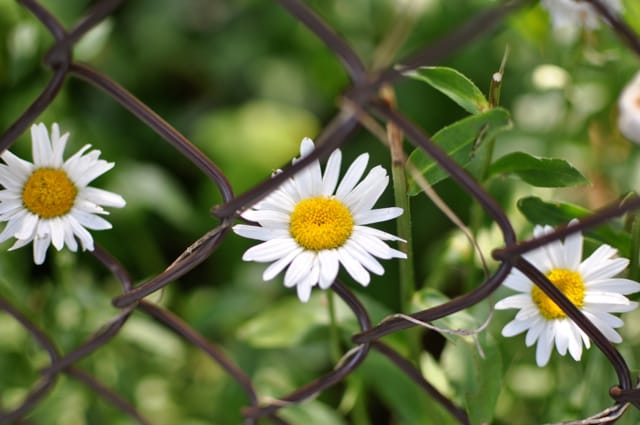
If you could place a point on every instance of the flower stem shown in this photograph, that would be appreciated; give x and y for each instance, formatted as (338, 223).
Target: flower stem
(403, 224)
(634, 250)
(334, 331)
(399, 176)
(359, 413)
(494, 100)
(407, 279)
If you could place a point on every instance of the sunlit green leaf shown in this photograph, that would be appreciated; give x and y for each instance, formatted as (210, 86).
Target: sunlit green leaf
(275, 327)
(539, 172)
(454, 85)
(459, 140)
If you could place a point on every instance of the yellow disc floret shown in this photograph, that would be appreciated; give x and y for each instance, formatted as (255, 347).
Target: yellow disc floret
(49, 193)
(571, 285)
(321, 223)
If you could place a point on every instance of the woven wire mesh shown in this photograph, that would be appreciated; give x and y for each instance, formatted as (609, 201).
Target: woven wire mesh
(360, 103)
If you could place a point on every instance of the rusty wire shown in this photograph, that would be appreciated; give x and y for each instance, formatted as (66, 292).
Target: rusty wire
(362, 92)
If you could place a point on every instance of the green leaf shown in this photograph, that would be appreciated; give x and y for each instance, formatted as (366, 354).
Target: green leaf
(396, 389)
(478, 376)
(459, 140)
(454, 85)
(482, 397)
(539, 172)
(273, 327)
(312, 412)
(538, 211)
(139, 184)
(429, 297)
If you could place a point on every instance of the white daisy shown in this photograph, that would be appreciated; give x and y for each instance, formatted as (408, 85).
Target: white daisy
(590, 285)
(312, 227)
(575, 13)
(629, 110)
(48, 201)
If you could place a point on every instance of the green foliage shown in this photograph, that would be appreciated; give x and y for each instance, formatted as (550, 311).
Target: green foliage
(538, 172)
(454, 85)
(411, 405)
(273, 328)
(460, 141)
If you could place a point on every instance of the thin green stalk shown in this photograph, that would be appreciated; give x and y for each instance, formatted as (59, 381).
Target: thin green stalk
(334, 330)
(634, 251)
(477, 212)
(359, 413)
(494, 101)
(407, 278)
(403, 223)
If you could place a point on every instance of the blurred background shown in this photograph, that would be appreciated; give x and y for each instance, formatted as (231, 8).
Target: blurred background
(244, 81)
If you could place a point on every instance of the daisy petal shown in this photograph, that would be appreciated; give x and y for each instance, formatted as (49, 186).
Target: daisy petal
(515, 327)
(600, 266)
(259, 233)
(364, 258)
(377, 216)
(364, 196)
(29, 223)
(375, 246)
(299, 268)
(562, 336)
(40, 246)
(279, 265)
(514, 301)
(270, 250)
(309, 179)
(41, 146)
(57, 233)
(304, 292)
(573, 249)
(619, 285)
(538, 326)
(518, 281)
(331, 173)
(353, 267)
(352, 176)
(544, 347)
(575, 342)
(329, 265)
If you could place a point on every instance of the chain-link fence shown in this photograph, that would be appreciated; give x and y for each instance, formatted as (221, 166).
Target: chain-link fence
(362, 105)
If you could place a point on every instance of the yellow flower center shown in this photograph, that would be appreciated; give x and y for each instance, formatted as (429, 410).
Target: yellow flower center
(49, 193)
(321, 223)
(571, 285)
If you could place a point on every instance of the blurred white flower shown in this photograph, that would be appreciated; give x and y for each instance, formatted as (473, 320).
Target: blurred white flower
(312, 227)
(590, 285)
(576, 13)
(629, 110)
(48, 201)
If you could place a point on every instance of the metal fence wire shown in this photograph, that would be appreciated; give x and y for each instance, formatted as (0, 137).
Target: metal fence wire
(360, 103)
